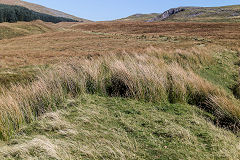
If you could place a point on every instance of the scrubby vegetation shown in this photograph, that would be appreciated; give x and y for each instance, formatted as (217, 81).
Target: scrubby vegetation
(10, 13)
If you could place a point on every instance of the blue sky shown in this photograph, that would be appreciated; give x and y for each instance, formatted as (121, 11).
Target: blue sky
(99, 10)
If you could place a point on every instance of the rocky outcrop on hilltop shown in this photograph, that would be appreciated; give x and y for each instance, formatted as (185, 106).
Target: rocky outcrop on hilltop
(208, 14)
(167, 14)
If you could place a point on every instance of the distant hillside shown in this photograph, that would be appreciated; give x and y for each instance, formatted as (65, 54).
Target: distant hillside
(201, 14)
(193, 14)
(9, 13)
(41, 9)
(140, 17)
(20, 29)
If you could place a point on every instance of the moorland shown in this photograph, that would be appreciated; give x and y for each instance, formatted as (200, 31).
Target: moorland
(119, 90)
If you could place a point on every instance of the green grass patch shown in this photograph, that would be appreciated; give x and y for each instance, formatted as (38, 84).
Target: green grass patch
(224, 71)
(94, 127)
(7, 32)
(20, 75)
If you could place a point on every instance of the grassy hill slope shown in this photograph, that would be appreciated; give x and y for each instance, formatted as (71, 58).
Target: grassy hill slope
(10, 13)
(121, 90)
(95, 127)
(208, 14)
(41, 9)
(139, 17)
(76, 107)
(20, 29)
(195, 14)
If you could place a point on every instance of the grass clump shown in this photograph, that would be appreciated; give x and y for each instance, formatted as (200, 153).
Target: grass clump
(145, 77)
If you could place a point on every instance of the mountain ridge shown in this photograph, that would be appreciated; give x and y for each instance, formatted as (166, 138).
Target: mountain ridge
(41, 9)
(14, 13)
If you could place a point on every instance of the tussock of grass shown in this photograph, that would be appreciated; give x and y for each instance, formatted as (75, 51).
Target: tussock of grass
(36, 147)
(141, 76)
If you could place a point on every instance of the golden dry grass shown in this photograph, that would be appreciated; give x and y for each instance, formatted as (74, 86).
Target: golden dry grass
(141, 76)
(149, 61)
(75, 40)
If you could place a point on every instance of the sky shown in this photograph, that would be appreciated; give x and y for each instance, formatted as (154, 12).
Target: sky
(101, 10)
